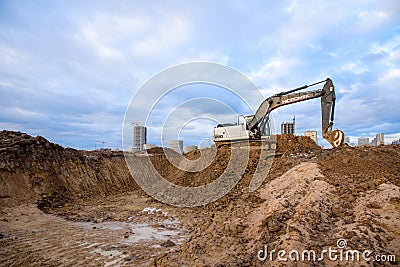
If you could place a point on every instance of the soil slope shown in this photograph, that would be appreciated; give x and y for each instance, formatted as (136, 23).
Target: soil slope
(33, 169)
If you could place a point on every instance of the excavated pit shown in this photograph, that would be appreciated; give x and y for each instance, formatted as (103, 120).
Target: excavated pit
(310, 198)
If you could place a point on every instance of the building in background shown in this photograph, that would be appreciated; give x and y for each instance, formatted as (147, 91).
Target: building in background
(347, 140)
(373, 142)
(362, 141)
(312, 135)
(139, 137)
(396, 142)
(288, 127)
(379, 139)
(176, 145)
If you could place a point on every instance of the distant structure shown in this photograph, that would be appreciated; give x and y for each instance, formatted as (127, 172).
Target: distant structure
(396, 142)
(187, 149)
(312, 135)
(288, 127)
(363, 141)
(139, 137)
(378, 140)
(176, 145)
(347, 140)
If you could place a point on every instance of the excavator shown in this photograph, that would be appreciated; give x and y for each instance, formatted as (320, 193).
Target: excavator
(256, 127)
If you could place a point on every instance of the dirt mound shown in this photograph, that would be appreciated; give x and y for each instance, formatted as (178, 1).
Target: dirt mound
(32, 168)
(181, 177)
(358, 169)
(194, 154)
(291, 144)
(302, 212)
(161, 151)
(310, 199)
(286, 145)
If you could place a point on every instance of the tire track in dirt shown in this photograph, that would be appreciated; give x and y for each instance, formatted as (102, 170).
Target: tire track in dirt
(32, 238)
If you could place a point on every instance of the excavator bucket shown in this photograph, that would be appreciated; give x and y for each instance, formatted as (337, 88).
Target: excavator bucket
(335, 138)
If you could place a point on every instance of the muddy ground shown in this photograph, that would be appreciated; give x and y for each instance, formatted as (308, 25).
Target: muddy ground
(60, 208)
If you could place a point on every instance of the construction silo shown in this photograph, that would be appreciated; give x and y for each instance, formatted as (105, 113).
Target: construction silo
(176, 145)
(139, 137)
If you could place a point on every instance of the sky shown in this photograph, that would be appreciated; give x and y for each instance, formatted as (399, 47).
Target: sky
(69, 69)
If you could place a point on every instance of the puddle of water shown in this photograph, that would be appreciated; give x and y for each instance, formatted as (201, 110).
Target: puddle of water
(146, 232)
(103, 225)
(140, 231)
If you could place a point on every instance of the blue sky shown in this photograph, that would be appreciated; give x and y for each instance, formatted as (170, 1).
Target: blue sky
(68, 69)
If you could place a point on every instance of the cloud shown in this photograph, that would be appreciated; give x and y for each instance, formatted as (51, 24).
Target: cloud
(7, 52)
(136, 35)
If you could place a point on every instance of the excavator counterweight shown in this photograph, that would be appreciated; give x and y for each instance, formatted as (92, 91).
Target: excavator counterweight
(256, 126)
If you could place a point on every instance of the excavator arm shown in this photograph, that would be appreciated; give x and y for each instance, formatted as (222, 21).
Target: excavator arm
(328, 98)
(327, 94)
